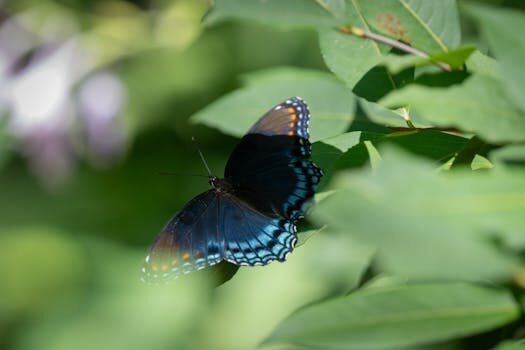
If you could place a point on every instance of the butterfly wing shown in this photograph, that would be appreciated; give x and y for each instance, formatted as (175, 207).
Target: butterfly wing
(190, 241)
(251, 237)
(216, 226)
(270, 168)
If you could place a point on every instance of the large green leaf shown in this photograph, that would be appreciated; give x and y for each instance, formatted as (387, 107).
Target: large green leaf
(504, 31)
(331, 104)
(479, 105)
(348, 56)
(390, 316)
(302, 13)
(429, 25)
(429, 224)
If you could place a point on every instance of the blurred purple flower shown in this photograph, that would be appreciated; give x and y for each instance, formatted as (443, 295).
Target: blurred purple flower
(36, 93)
(101, 98)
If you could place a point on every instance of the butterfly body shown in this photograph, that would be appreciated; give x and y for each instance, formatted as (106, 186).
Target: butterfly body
(248, 217)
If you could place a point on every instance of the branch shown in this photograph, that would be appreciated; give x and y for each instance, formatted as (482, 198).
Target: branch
(390, 42)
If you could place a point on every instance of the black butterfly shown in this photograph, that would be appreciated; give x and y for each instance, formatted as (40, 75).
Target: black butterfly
(247, 218)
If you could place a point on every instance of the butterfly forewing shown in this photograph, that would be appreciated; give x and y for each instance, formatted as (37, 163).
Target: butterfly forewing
(271, 167)
(289, 118)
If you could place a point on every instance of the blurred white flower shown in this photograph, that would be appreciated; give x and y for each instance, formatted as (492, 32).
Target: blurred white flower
(40, 94)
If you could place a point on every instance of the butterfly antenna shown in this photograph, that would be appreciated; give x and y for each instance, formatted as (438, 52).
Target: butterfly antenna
(201, 155)
(179, 174)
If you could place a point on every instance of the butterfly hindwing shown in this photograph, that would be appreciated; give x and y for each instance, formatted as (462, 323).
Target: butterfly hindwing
(270, 167)
(216, 226)
(253, 238)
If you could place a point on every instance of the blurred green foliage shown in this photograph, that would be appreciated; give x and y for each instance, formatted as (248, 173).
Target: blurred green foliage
(417, 240)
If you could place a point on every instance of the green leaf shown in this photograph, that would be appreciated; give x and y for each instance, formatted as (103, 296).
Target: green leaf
(455, 58)
(480, 162)
(513, 154)
(305, 235)
(428, 224)
(430, 26)
(478, 105)
(483, 64)
(387, 317)
(302, 13)
(504, 30)
(433, 144)
(331, 104)
(326, 152)
(389, 117)
(344, 141)
(336, 7)
(348, 56)
(373, 155)
(511, 345)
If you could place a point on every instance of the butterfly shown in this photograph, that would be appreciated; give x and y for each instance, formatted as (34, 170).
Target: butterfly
(249, 216)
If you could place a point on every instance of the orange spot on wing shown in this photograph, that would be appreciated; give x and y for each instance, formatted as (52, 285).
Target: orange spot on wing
(292, 124)
(291, 110)
(164, 267)
(185, 256)
(290, 133)
(174, 261)
(293, 117)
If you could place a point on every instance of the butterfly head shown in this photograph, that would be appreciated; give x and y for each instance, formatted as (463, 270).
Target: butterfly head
(218, 184)
(214, 181)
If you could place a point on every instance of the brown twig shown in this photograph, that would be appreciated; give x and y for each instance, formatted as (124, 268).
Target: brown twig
(390, 42)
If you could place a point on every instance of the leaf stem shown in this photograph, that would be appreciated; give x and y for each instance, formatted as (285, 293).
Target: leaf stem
(390, 42)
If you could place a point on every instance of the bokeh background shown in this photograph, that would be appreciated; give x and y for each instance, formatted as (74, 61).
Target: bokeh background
(95, 98)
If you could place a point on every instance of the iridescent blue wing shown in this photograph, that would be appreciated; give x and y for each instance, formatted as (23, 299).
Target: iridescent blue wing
(270, 168)
(216, 226)
(190, 241)
(251, 237)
